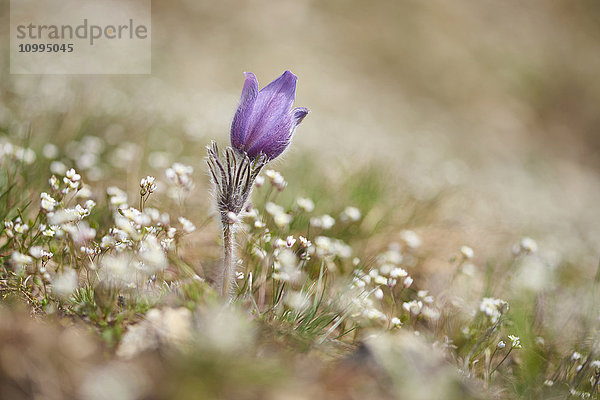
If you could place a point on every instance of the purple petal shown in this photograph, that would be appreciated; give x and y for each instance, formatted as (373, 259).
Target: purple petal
(271, 108)
(243, 115)
(275, 142)
(298, 114)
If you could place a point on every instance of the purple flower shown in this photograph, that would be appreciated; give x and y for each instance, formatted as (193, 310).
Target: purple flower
(264, 122)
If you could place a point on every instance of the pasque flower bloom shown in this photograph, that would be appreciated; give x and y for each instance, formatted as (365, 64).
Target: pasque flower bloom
(261, 130)
(265, 121)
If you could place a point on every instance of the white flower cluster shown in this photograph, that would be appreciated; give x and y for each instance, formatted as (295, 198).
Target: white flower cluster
(390, 277)
(350, 214)
(305, 204)
(72, 179)
(17, 153)
(16, 227)
(148, 185)
(410, 238)
(280, 217)
(515, 341)
(180, 176)
(493, 308)
(285, 266)
(276, 179)
(326, 247)
(324, 222)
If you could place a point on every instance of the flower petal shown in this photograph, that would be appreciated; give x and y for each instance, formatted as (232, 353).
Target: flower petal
(298, 114)
(276, 141)
(241, 120)
(272, 105)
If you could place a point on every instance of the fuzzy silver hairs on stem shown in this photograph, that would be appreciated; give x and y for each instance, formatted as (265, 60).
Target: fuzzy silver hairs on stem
(233, 176)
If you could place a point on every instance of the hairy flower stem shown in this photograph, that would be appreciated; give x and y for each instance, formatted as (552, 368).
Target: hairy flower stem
(233, 175)
(228, 261)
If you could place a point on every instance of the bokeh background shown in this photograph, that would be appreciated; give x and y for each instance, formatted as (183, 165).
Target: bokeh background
(492, 104)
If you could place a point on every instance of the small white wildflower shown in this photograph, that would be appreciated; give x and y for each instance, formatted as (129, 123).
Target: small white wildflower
(396, 321)
(80, 233)
(515, 341)
(47, 202)
(466, 252)
(54, 182)
(88, 250)
(81, 211)
(148, 185)
(274, 209)
(282, 220)
(407, 282)
(50, 151)
(20, 260)
(58, 168)
(356, 282)
(424, 294)
(374, 314)
(350, 214)
(305, 204)
(528, 245)
(378, 294)
(575, 356)
(548, 382)
(501, 344)
(39, 253)
(432, 314)
(366, 278)
(167, 244)
(181, 176)
(239, 275)
(117, 197)
(290, 241)
(65, 283)
(72, 178)
(187, 225)
(380, 280)
(259, 181)
(286, 266)
(493, 308)
(325, 221)
(595, 364)
(298, 301)
(9, 226)
(413, 306)
(276, 179)
(20, 227)
(304, 242)
(50, 231)
(398, 273)
(152, 254)
(411, 239)
(25, 155)
(259, 252)
(391, 256)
